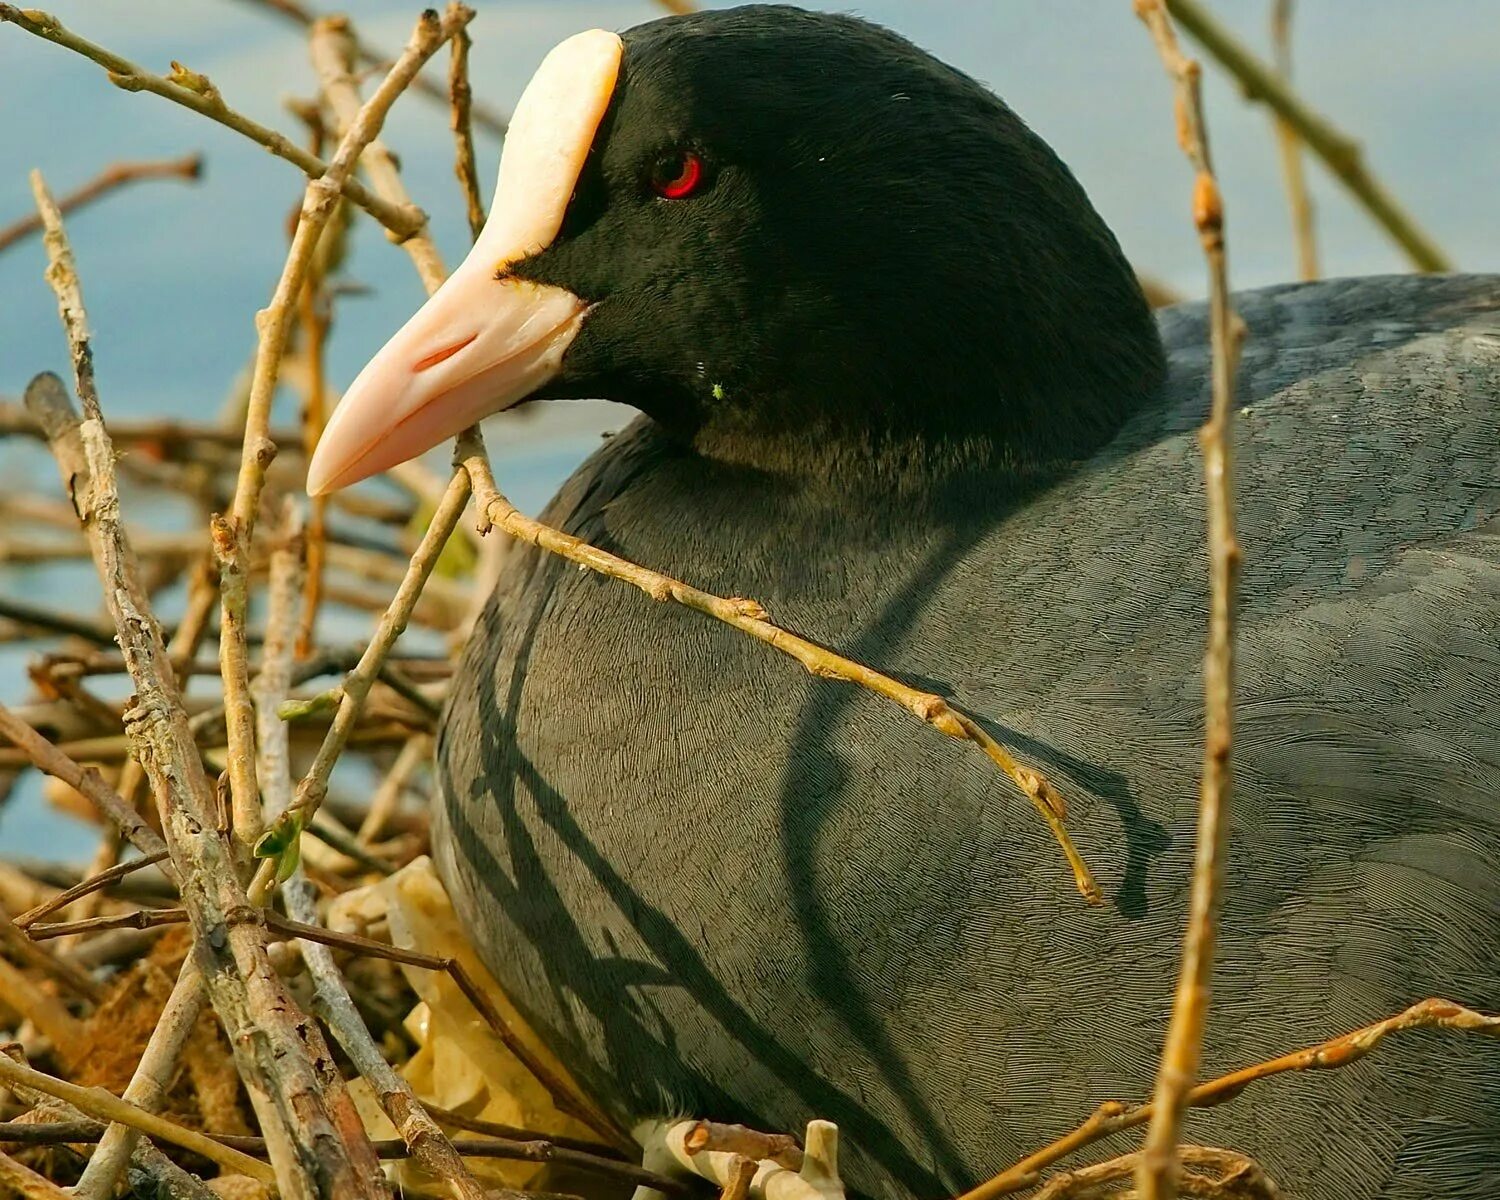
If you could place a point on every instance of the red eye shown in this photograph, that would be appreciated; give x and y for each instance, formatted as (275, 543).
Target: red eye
(677, 174)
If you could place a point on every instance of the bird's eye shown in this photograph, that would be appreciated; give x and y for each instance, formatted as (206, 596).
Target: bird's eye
(677, 174)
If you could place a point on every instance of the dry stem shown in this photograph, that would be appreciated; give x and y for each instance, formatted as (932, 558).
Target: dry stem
(232, 537)
(1112, 1117)
(271, 1041)
(1339, 152)
(1289, 144)
(189, 167)
(749, 617)
(1157, 1172)
(100, 1103)
(193, 90)
(462, 106)
(487, 118)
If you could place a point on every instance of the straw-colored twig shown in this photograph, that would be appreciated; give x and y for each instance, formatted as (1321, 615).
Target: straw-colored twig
(1112, 1117)
(1156, 1176)
(421, 1134)
(19, 1180)
(1209, 1173)
(749, 617)
(93, 883)
(232, 535)
(148, 1084)
(1340, 153)
(355, 689)
(1289, 145)
(193, 90)
(84, 780)
(189, 168)
(99, 1103)
(461, 104)
(486, 118)
(272, 1046)
(780, 1148)
(388, 795)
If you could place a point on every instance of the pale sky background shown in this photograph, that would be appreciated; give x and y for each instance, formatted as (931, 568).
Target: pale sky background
(173, 274)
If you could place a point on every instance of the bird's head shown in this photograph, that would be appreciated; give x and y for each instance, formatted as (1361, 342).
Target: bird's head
(763, 226)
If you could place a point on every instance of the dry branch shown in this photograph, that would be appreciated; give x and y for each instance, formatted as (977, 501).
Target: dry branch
(271, 1039)
(1112, 1117)
(188, 168)
(1339, 152)
(1289, 145)
(232, 536)
(1157, 1171)
(99, 1103)
(750, 618)
(193, 90)
(487, 118)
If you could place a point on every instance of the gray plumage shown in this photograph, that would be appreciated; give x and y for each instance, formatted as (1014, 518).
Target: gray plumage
(720, 887)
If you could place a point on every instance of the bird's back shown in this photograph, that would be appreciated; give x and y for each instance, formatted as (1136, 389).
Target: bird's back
(722, 887)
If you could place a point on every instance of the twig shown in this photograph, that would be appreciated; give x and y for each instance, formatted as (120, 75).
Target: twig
(1156, 1175)
(1234, 1177)
(420, 1133)
(566, 1097)
(1290, 146)
(136, 918)
(189, 168)
(1339, 152)
(271, 1046)
(461, 101)
(100, 1103)
(16, 1179)
(388, 795)
(356, 686)
(749, 617)
(487, 118)
(232, 535)
(1113, 1117)
(534, 1150)
(93, 883)
(193, 90)
(148, 1084)
(49, 621)
(87, 782)
(737, 1186)
(780, 1148)
(494, 1129)
(185, 436)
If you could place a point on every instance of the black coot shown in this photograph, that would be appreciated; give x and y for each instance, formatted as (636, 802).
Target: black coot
(899, 385)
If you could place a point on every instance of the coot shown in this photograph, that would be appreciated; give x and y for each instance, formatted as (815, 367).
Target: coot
(899, 385)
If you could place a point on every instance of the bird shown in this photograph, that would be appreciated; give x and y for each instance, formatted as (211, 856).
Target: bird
(897, 382)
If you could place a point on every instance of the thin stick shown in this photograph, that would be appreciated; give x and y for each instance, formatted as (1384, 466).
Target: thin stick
(93, 883)
(1289, 144)
(1339, 152)
(535, 1150)
(149, 1083)
(486, 118)
(388, 795)
(1156, 1176)
(1234, 1177)
(749, 617)
(271, 1047)
(461, 99)
(1113, 1117)
(87, 782)
(193, 90)
(189, 168)
(16, 1179)
(419, 1132)
(232, 535)
(100, 1103)
(516, 1133)
(357, 684)
(567, 1097)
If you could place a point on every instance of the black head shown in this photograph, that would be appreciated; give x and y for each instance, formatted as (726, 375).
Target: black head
(877, 243)
(874, 250)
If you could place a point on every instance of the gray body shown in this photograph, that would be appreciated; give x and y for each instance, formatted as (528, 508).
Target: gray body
(722, 888)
